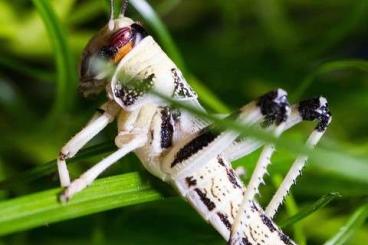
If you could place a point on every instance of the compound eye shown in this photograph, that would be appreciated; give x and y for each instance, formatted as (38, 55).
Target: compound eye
(120, 43)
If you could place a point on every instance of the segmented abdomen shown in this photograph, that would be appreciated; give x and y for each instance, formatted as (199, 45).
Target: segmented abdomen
(216, 192)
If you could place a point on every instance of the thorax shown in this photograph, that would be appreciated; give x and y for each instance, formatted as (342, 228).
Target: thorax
(164, 128)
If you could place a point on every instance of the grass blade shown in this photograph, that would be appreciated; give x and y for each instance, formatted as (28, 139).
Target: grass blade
(50, 167)
(43, 208)
(291, 209)
(322, 202)
(66, 73)
(326, 68)
(150, 16)
(25, 69)
(353, 224)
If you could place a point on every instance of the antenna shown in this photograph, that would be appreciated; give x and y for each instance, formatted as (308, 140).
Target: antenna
(124, 7)
(111, 21)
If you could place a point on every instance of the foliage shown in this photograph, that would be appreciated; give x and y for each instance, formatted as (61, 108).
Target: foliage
(231, 52)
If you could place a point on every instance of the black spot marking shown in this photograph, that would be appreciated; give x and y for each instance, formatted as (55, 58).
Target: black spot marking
(251, 231)
(253, 207)
(313, 110)
(224, 219)
(139, 33)
(267, 222)
(176, 114)
(212, 189)
(232, 210)
(285, 238)
(63, 156)
(108, 51)
(101, 111)
(206, 201)
(180, 88)
(204, 138)
(152, 135)
(245, 241)
(130, 92)
(167, 129)
(232, 177)
(191, 181)
(220, 161)
(274, 107)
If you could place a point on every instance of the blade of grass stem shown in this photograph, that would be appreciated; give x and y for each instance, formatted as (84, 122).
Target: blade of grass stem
(328, 160)
(151, 17)
(50, 167)
(320, 203)
(353, 224)
(25, 69)
(291, 209)
(66, 73)
(43, 208)
(326, 68)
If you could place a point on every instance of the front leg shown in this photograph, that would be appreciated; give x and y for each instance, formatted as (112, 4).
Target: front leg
(106, 114)
(137, 140)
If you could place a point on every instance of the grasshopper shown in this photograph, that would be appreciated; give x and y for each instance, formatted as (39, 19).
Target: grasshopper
(176, 146)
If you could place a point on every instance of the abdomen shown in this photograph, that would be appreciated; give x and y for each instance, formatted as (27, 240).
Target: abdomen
(215, 191)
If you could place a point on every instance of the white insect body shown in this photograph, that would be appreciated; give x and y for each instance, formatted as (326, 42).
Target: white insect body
(176, 146)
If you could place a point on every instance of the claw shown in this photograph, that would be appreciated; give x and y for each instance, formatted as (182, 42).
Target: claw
(63, 198)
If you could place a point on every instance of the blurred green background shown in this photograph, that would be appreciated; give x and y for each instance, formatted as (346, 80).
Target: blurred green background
(231, 51)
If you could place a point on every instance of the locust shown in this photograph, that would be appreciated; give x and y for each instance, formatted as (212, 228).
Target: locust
(177, 146)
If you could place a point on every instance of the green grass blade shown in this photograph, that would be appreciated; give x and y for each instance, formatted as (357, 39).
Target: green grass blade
(320, 203)
(353, 224)
(328, 160)
(43, 208)
(66, 73)
(50, 167)
(291, 209)
(151, 18)
(326, 68)
(25, 69)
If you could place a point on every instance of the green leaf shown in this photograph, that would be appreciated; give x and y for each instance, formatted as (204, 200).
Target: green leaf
(326, 68)
(25, 69)
(66, 81)
(320, 203)
(353, 224)
(152, 19)
(50, 167)
(328, 160)
(150, 16)
(44, 208)
(291, 208)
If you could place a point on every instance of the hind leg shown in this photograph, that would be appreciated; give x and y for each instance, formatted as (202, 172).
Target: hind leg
(314, 109)
(272, 108)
